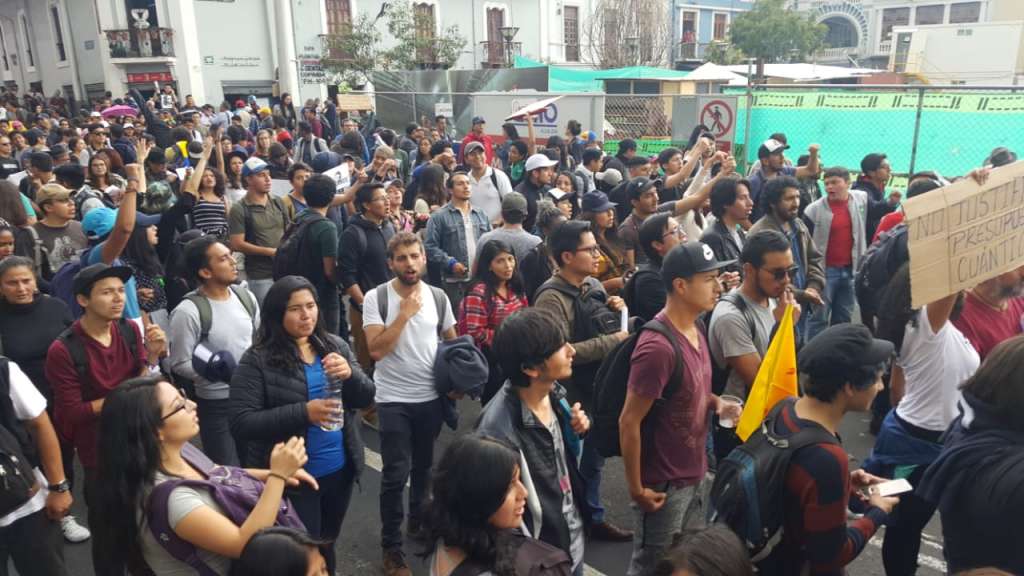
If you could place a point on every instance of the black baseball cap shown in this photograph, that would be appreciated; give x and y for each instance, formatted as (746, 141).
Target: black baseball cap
(156, 156)
(636, 161)
(86, 277)
(638, 186)
(841, 348)
(691, 258)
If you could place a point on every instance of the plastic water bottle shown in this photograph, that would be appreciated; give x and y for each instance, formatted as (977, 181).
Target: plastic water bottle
(332, 391)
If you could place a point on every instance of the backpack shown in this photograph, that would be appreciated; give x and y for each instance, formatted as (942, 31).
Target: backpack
(62, 285)
(749, 488)
(293, 252)
(85, 193)
(532, 558)
(250, 222)
(17, 452)
(440, 300)
(629, 290)
(234, 490)
(720, 375)
(878, 265)
(80, 358)
(202, 304)
(28, 244)
(610, 388)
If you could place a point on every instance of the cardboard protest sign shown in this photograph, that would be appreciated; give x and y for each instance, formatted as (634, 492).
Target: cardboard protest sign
(964, 233)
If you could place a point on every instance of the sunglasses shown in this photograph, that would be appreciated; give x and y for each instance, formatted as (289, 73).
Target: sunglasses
(183, 406)
(779, 274)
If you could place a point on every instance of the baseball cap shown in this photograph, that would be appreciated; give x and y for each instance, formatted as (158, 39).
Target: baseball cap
(156, 156)
(514, 202)
(51, 192)
(478, 120)
(474, 145)
(611, 177)
(98, 222)
(597, 202)
(86, 277)
(239, 151)
(638, 186)
(691, 258)
(252, 166)
(95, 114)
(195, 150)
(539, 161)
(128, 125)
(841, 348)
(326, 160)
(771, 146)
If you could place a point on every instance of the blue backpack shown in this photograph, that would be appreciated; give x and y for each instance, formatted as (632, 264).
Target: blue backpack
(62, 284)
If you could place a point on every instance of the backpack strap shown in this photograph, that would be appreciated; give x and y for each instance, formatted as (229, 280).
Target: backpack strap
(247, 301)
(677, 370)
(382, 301)
(802, 438)
(440, 298)
(737, 300)
(202, 304)
(80, 358)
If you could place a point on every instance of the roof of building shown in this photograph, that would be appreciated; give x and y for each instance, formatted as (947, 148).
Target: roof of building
(562, 79)
(803, 72)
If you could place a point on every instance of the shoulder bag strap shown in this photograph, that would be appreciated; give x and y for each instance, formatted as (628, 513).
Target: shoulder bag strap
(202, 304)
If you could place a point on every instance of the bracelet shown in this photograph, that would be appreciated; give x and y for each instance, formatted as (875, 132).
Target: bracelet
(271, 474)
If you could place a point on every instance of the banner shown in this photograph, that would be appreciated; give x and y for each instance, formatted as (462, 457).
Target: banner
(965, 233)
(776, 379)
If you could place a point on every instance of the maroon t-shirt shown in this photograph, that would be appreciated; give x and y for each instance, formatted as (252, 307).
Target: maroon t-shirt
(674, 436)
(985, 327)
(108, 366)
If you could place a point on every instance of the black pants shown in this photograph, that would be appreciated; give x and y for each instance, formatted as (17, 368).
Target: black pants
(36, 544)
(323, 510)
(215, 431)
(903, 532)
(407, 435)
(103, 557)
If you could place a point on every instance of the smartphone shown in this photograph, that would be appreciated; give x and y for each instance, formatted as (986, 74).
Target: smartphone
(889, 488)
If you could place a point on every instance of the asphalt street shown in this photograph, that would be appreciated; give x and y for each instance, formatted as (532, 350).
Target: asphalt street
(359, 545)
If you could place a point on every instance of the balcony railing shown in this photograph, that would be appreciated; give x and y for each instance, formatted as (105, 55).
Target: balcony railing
(837, 54)
(686, 51)
(884, 47)
(495, 53)
(135, 43)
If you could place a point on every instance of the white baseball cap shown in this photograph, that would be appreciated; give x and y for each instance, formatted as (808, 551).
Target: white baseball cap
(539, 161)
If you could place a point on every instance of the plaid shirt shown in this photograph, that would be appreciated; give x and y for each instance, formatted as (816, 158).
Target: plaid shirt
(480, 318)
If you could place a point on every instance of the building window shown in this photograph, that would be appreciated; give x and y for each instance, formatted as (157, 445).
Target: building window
(720, 27)
(926, 15)
(426, 24)
(3, 49)
(842, 33)
(30, 58)
(892, 17)
(571, 25)
(149, 5)
(339, 16)
(965, 12)
(58, 33)
(689, 33)
(494, 48)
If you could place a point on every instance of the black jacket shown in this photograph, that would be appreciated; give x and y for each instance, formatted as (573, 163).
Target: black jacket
(532, 194)
(724, 245)
(364, 254)
(878, 205)
(268, 405)
(154, 125)
(506, 417)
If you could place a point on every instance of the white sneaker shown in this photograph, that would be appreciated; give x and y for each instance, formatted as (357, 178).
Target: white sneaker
(73, 531)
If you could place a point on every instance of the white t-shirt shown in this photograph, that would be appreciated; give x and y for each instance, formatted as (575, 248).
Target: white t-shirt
(28, 405)
(407, 373)
(934, 366)
(182, 501)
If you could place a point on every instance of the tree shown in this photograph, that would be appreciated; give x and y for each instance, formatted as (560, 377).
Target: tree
(351, 55)
(628, 33)
(724, 54)
(772, 33)
(417, 43)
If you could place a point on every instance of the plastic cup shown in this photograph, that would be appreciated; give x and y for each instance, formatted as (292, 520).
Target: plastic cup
(729, 422)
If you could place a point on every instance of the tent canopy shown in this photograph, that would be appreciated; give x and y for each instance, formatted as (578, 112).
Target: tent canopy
(577, 80)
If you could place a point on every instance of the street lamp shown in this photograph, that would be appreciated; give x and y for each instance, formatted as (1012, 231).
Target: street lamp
(507, 34)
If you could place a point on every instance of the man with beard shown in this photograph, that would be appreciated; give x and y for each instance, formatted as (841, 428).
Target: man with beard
(404, 320)
(993, 311)
(539, 173)
(782, 207)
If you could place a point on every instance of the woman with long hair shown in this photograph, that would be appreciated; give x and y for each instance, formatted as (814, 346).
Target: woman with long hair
(17, 217)
(495, 292)
(713, 551)
(286, 110)
(206, 185)
(611, 263)
(99, 175)
(475, 513)
(264, 138)
(566, 194)
(7, 240)
(79, 150)
(431, 194)
(281, 551)
(933, 359)
(421, 155)
(565, 159)
(234, 189)
(283, 387)
(145, 430)
(140, 255)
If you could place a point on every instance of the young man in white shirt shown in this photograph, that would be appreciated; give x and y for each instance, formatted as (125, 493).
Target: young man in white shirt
(403, 334)
(31, 534)
(489, 185)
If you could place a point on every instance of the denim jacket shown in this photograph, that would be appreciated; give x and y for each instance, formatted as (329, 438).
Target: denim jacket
(446, 235)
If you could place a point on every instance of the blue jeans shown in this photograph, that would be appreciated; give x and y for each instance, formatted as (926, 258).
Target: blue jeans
(839, 300)
(591, 463)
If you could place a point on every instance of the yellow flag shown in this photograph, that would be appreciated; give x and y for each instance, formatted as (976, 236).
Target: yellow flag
(776, 378)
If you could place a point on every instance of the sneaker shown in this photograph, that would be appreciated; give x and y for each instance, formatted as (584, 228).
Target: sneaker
(394, 562)
(73, 531)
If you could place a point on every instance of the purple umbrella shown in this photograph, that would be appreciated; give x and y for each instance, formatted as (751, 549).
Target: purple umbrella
(119, 110)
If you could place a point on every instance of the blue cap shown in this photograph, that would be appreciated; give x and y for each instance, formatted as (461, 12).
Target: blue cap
(252, 166)
(98, 222)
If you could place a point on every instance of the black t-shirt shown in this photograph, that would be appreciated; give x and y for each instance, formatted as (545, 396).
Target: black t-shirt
(27, 332)
(8, 166)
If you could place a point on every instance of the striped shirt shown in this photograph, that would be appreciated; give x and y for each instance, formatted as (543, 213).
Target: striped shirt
(210, 217)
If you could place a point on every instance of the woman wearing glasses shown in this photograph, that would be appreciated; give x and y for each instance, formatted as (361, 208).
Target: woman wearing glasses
(145, 428)
(285, 385)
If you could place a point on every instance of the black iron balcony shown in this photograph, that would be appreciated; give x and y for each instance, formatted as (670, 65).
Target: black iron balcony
(145, 43)
(498, 54)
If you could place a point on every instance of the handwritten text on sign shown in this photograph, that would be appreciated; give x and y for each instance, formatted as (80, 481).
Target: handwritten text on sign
(963, 234)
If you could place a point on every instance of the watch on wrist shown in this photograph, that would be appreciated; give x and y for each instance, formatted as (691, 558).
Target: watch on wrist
(59, 487)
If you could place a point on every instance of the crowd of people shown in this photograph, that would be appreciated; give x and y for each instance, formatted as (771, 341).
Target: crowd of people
(176, 276)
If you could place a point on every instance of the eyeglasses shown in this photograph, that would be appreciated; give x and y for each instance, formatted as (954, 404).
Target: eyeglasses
(594, 250)
(779, 274)
(183, 406)
(677, 231)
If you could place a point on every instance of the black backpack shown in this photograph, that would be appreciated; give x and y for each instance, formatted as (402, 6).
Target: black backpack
(17, 451)
(80, 358)
(720, 374)
(610, 388)
(749, 488)
(629, 290)
(292, 255)
(879, 263)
